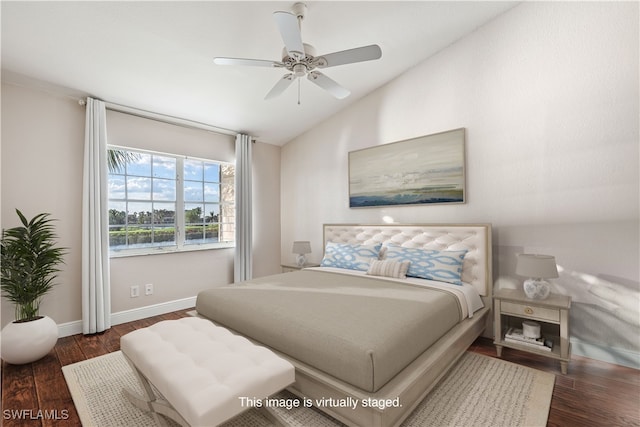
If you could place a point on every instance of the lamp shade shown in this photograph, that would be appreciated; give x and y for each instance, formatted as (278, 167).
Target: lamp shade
(301, 247)
(538, 266)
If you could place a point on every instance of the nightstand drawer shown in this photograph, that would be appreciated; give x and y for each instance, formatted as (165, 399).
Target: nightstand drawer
(546, 314)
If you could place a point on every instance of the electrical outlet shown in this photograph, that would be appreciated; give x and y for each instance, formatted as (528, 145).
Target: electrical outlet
(148, 289)
(135, 291)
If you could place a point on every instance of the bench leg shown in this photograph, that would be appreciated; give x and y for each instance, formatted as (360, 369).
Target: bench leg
(144, 404)
(151, 403)
(272, 416)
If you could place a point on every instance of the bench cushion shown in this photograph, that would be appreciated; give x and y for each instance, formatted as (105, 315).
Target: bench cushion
(202, 369)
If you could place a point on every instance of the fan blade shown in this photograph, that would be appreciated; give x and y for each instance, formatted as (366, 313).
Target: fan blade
(280, 86)
(328, 84)
(290, 32)
(249, 62)
(358, 54)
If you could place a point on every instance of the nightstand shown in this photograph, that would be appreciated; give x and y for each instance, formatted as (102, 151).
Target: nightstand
(288, 268)
(511, 306)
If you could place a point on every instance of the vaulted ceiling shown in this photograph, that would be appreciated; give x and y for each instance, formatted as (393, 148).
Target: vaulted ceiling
(158, 56)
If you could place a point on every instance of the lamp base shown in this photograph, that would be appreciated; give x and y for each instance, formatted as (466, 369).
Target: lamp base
(301, 260)
(536, 288)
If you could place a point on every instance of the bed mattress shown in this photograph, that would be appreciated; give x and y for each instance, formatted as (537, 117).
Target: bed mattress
(362, 330)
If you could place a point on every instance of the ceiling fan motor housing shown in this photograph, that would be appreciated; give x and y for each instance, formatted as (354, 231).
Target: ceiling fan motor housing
(301, 66)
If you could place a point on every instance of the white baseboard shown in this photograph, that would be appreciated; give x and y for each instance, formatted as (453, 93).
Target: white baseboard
(75, 327)
(617, 356)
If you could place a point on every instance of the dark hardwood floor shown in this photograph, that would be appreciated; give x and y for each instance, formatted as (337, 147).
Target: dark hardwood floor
(593, 393)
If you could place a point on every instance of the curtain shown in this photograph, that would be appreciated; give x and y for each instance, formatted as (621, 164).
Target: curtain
(244, 232)
(96, 293)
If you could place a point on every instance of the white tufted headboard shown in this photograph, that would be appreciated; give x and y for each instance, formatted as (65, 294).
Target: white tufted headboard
(475, 238)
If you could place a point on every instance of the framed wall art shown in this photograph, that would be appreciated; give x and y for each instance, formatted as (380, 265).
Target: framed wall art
(425, 170)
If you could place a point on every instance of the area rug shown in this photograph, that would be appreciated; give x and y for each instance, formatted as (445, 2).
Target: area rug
(478, 391)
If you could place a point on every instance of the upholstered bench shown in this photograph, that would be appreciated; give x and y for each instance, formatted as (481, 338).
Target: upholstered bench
(202, 370)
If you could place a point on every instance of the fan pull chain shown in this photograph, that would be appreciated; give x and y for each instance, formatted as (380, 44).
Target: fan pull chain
(298, 91)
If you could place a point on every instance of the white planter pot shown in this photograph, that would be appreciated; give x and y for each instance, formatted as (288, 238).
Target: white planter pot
(26, 342)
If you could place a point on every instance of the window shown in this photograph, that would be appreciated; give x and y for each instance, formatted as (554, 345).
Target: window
(162, 202)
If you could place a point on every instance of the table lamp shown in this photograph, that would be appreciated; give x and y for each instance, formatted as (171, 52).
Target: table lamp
(301, 248)
(537, 268)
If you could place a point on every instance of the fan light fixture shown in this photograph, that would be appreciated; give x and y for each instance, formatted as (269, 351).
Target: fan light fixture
(299, 70)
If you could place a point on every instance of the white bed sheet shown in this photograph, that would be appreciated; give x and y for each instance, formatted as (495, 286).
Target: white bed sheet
(466, 294)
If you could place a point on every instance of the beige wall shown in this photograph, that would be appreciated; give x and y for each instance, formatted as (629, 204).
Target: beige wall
(266, 212)
(42, 138)
(548, 94)
(42, 153)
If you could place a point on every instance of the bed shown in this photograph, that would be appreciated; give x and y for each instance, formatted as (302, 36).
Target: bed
(357, 330)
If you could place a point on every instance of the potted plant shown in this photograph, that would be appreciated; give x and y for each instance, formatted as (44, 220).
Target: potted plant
(30, 263)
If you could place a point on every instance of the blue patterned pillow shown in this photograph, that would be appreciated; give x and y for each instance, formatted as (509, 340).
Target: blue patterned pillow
(351, 256)
(444, 266)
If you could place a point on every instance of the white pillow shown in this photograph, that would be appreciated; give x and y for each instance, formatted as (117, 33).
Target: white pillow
(389, 268)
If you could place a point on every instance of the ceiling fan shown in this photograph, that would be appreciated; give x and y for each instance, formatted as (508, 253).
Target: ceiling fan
(300, 58)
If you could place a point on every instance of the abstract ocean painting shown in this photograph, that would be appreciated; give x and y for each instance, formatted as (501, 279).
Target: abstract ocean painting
(424, 170)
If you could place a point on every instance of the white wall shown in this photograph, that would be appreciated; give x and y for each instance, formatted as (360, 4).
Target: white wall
(42, 154)
(548, 94)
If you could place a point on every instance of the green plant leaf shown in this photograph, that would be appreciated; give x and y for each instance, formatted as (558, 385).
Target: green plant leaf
(30, 263)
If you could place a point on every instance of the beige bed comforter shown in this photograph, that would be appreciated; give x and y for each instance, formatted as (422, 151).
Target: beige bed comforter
(360, 329)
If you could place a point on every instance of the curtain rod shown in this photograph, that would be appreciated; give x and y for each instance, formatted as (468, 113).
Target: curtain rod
(164, 118)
